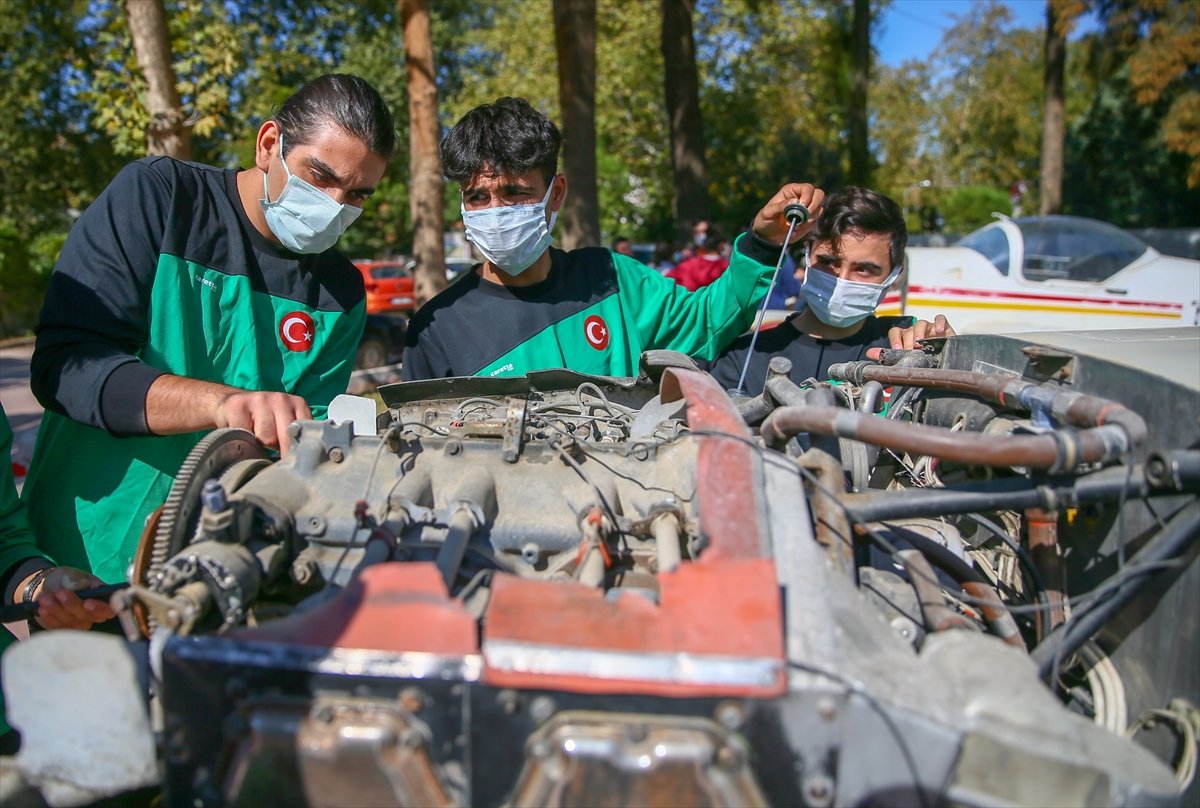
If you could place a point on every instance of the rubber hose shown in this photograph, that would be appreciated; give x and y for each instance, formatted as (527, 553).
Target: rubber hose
(1057, 451)
(1076, 409)
(970, 580)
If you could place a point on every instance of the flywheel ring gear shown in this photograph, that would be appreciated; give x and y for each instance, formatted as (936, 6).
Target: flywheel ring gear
(214, 454)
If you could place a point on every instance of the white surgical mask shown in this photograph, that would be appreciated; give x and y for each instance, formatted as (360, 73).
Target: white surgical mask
(511, 237)
(839, 302)
(304, 218)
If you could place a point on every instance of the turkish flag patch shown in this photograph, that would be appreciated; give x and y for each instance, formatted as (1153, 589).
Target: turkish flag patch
(595, 331)
(297, 331)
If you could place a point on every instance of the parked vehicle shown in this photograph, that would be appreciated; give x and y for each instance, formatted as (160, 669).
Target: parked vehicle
(382, 341)
(389, 285)
(456, 267)
(1048, 272)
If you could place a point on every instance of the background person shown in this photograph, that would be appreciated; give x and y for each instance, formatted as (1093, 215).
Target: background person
(788, 286)
(708, 264)
(622, 246)
(189, 297)
(530, 306)
(855, 252)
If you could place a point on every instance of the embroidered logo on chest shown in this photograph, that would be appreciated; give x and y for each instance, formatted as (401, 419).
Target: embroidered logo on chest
(297, 331)
(595, 331)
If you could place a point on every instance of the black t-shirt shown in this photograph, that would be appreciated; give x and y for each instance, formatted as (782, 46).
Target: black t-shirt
(811, 357)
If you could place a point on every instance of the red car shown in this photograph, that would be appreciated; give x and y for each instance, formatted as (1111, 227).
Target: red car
(389, 286)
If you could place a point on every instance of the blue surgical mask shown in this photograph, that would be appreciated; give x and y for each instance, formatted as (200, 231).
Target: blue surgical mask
(304, 218)
(511, 237)
(839, 302)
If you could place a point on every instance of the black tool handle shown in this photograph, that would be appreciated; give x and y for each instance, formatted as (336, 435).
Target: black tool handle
(20, 611)
(796, 213)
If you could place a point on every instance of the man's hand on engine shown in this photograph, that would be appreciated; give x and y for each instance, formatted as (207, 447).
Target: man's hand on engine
(60, 607)
(770, 225)
(267, 415)
(908, 338)
(176, 404)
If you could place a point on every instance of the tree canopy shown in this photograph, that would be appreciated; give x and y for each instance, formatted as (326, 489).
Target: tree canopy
(775, 81)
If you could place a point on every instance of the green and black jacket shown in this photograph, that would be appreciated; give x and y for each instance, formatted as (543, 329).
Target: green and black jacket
(164, 273)
(595, 313)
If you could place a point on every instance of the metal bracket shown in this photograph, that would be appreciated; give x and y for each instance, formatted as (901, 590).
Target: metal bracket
(1050, 363)
(514, 429)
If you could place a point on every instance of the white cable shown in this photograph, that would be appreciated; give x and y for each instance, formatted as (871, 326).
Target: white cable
(1108, 690)
(1185, 717)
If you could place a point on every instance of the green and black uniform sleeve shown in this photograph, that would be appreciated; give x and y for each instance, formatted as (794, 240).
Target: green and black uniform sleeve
(595, 313)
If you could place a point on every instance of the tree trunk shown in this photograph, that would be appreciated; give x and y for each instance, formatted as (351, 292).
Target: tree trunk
(1053, 119)
(575, 35)
(682, 84)
(860, 70)
(426, 185)
(168, 132)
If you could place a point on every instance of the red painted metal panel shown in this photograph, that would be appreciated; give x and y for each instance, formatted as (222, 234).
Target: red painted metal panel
(391, 607)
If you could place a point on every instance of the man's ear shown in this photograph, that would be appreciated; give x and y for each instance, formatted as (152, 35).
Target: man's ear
(266, 144)
(558, 193)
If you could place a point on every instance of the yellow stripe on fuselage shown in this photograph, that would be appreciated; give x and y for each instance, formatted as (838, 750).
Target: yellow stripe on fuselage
(970, 304)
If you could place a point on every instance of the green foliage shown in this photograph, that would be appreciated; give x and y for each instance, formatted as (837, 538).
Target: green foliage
(1118, 167)
(52, 161)
(771, 102)
(970, 115)
(209, 53)
(971, 207)
(773, 87)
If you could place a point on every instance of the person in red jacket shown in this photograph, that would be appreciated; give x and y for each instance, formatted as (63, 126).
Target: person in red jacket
(710, 260)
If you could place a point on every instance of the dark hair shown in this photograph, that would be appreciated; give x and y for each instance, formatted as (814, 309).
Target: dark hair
(714, 236)
(343, 100)
(618, 240)
(855, 210)
(509, 136)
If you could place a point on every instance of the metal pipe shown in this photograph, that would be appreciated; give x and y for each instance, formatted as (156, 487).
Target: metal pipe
(777, 389)
(869, 397)
(473, 505)
(829, 515)
(1043, 550)
(1077, 409)
(1179, 469)
(1058, 451)
(938, 616)
(994, 611)
(450, 556)
(666, 538)
(1013, 493)
(593, 564)
(786, 392)
(1169, 543)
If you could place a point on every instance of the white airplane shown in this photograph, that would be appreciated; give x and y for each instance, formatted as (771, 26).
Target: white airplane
(1047, 273)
